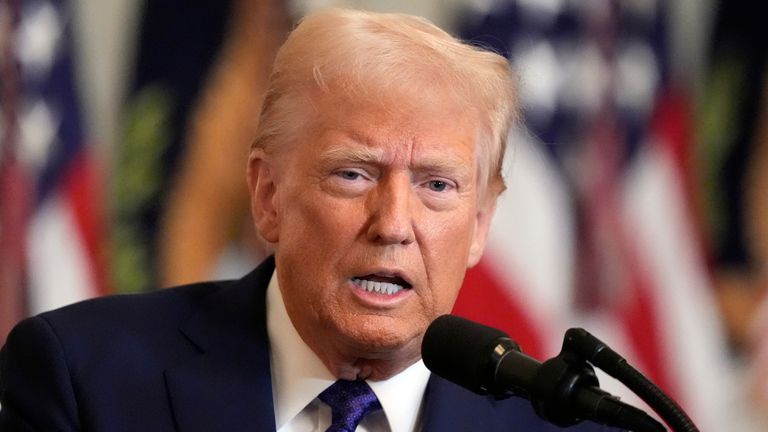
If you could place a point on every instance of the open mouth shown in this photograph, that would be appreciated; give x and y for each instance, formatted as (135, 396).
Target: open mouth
(380, 284)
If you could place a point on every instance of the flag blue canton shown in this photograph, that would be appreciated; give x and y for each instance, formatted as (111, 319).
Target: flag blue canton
(575, 58)
(51, 119)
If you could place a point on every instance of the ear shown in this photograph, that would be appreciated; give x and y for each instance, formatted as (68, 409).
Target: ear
(263, 189)
(482, 226)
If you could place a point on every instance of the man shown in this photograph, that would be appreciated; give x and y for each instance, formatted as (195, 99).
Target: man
(373, 176)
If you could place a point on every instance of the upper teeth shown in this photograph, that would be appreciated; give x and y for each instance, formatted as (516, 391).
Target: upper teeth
(377, 287)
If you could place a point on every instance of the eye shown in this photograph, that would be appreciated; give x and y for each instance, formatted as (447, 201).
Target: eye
(437, 185)
(349, 174)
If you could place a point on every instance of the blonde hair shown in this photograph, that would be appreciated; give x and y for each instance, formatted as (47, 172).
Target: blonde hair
(354, 53)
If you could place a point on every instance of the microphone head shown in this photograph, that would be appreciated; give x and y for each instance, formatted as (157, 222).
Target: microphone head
(465, 352)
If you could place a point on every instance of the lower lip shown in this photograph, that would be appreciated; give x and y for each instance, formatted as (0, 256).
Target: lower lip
(373, 299)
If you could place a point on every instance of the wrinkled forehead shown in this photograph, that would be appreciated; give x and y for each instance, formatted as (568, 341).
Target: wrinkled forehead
(395, 111)
(423, 100)
(418, 88)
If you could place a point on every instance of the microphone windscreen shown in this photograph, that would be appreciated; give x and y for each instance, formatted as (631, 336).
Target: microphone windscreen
(462, 351)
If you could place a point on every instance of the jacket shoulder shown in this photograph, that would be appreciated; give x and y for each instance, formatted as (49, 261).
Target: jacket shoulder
(113, 312)
(75, 356)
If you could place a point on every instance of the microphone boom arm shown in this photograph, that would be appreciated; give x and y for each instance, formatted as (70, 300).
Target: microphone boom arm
(588, 347)
(565, 390)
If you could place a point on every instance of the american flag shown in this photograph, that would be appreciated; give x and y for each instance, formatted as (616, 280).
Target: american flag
(50, 211)
(595, 229)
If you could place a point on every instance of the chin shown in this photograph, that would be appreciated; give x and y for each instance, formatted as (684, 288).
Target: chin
(376, 341)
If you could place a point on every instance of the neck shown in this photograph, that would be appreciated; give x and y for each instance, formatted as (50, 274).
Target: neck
(376, 368)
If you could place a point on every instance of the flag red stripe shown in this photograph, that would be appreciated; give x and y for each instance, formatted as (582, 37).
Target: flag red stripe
(15, 204)
(81, 189)
(640, 318)
(672, 123)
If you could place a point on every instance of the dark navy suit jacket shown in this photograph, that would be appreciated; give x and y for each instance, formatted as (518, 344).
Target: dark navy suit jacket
(193, 358)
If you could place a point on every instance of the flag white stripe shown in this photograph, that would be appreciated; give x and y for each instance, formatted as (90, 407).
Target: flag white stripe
(529, 242)
(58, 261)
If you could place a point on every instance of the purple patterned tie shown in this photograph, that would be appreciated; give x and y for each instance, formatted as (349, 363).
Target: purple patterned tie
(350, 401)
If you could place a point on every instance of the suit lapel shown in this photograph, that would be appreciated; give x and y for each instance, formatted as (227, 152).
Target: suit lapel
(227, 385)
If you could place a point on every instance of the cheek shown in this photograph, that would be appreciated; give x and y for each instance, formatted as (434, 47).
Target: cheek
(316, 236)
(317, 218)
(446, 257)
(450, 238)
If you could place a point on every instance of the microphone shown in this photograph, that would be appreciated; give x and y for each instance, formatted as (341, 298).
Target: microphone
(562, 390)
(470, 355)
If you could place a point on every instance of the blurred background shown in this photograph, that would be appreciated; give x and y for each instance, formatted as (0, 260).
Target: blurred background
(637, 201)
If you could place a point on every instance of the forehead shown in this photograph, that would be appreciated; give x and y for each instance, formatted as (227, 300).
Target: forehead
(394, 125)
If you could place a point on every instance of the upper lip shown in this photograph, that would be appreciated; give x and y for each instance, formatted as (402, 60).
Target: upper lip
(388, 273)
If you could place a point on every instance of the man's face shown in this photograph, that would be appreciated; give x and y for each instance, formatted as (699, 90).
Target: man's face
(376, 216)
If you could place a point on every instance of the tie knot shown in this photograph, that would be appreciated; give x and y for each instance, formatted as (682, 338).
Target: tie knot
(350, 401)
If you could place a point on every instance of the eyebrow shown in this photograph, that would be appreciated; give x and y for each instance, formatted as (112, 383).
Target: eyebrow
(361, 154)
(368, 155)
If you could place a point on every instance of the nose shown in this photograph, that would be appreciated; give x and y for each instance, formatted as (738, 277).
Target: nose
(391, 206)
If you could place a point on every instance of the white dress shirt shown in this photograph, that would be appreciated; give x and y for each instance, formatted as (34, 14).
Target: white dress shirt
(298, 376)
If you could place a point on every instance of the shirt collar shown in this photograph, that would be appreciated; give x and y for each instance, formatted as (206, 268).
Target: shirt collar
(401, 396)
(298, 375)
